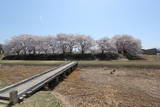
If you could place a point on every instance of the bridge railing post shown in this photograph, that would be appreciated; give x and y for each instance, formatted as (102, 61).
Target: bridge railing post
(64, 75)
(57, 79)
(13, 97)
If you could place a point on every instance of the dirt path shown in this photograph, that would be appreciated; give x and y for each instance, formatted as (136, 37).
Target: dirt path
(100, 88)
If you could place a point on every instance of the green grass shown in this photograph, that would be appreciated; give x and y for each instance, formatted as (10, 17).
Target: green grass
(1, 55)
(139, 64)
(40, 99)
(22, 62)
(115, 63)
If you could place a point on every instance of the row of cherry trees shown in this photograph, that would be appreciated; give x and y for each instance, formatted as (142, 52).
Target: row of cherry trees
(71, 43)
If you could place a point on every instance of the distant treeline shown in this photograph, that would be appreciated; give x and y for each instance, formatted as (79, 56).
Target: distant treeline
(71, 43)
(71, 47)
(67, 56)
(153, 51)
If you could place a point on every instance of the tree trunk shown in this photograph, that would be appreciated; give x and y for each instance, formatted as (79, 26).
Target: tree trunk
(102, 51)
(24, 51)
(45, 51)
(82, 52)
(70, 51)
(34, 51)
(17, 53)
(52, 51)
(64, 51)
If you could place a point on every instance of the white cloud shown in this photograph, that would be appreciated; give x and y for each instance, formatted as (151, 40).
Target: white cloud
(41, 19)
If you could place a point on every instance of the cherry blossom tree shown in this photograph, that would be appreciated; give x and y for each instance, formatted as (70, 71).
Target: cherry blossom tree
(71, 42)
(53, 44)
(84, 43)
(126, 44)
(103, 44)
(62, 41)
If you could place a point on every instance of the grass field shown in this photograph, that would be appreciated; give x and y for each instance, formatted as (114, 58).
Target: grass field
(10, 74)
(115, 63)
(98, 87)
(1, 56)
(40, 99)
(22, 62)
(92, 84)
(90, 87)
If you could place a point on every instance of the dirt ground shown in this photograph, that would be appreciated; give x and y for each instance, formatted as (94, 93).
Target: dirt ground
(93, 86)
(154, 58)
(10, 74)
(107, 87)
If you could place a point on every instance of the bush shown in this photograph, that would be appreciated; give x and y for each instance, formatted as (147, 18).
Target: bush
(150, 51)
(106, 56)
(132, 57)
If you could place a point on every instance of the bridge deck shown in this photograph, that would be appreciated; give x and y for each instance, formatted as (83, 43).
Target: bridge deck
(28, 85)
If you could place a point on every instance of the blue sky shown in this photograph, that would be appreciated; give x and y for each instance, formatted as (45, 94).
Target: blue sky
(97, 18)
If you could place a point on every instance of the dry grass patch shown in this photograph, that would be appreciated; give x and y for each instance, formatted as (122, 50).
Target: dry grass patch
(41, 99)
(124, 88)
(10, 74)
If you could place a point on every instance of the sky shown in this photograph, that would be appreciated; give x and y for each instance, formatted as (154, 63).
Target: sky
(97, 18)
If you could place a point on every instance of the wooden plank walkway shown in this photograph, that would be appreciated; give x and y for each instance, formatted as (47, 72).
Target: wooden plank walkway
(33, 83)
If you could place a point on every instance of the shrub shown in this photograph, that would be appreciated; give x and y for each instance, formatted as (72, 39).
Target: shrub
(67, 56)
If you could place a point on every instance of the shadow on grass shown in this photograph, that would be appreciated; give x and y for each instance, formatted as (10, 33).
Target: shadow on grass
(5, 104)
